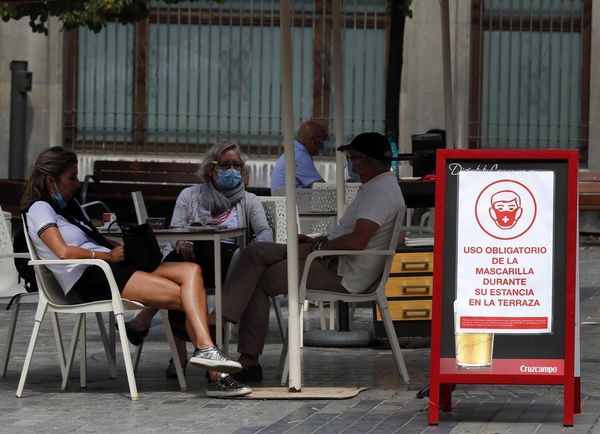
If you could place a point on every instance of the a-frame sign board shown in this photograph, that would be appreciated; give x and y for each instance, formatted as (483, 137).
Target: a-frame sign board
(505, 275)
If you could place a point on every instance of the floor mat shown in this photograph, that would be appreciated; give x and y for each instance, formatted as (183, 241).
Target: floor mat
(306, 393)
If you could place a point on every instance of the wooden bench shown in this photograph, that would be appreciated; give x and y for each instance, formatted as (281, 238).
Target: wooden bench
(160, 181)
(589, 191)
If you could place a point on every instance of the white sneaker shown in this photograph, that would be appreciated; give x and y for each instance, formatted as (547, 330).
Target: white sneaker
(214, 359)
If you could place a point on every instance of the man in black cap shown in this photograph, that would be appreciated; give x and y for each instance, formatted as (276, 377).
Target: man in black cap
(368, 223)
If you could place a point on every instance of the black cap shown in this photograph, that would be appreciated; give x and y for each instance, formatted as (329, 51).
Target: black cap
(373, 145)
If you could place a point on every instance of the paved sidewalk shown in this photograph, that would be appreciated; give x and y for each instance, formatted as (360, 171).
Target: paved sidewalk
(388, 406)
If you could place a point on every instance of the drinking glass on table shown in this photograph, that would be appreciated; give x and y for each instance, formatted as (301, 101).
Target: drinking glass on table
(203, 215)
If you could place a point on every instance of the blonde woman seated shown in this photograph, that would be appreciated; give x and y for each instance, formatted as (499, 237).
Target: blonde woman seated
(60, 229)
(220, 200)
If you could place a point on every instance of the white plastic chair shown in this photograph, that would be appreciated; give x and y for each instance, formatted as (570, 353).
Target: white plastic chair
(351, 189)
(140, 207)
(141, 214)
(52, 299)
(375, 293)
(12, 292)
(275, 211)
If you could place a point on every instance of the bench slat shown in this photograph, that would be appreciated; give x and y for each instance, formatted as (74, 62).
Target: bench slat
(589, 191)
(125, 189)
(146, 177)
(589, 177)
(585, 188)
(163, 181)
(157, 180)
(144, 166)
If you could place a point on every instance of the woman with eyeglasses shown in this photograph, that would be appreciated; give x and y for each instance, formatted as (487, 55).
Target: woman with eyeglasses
(220, 200)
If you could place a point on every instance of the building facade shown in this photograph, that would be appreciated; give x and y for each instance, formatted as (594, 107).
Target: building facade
(196, 73)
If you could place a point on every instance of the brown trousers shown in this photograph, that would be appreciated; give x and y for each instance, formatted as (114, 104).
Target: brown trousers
(262, 272)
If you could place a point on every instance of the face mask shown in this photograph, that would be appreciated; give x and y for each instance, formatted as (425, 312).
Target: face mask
(228, 179)
(326, 144)
(58, 199)
(353, 176)
(506, 219)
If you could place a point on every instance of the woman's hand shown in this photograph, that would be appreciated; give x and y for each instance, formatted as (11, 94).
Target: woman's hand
(186, 250)
(117, 254)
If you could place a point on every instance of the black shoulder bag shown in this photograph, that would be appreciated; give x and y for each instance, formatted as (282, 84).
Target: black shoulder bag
(141, 248)
(139, 242)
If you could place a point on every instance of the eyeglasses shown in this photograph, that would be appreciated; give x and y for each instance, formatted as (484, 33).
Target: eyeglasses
(351, 157)
(237, 165)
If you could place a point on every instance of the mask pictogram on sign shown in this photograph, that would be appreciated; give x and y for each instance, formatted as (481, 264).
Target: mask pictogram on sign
(505, 209)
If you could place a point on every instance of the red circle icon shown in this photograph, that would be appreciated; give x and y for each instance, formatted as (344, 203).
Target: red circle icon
(505, 209)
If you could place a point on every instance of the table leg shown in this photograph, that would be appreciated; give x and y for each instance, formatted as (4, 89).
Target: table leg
(218, 301)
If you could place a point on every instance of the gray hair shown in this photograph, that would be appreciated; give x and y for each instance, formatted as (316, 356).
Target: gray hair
(214, 154)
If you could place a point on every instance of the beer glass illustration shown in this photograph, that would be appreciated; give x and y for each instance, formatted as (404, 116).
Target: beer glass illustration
(473, 350)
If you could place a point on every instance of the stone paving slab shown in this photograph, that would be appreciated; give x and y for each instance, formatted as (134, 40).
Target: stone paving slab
(388, 406)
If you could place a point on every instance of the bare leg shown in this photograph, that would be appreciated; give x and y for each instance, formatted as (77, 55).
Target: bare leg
(177, 286)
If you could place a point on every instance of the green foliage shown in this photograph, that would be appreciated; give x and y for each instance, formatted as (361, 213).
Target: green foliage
(92, 14)
(405, 8)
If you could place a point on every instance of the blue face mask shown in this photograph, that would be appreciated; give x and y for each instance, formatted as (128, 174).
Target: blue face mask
(326, 144)
(58, 199)
(353, 176)
(228, 179)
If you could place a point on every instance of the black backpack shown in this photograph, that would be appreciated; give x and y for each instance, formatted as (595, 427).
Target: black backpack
(25, 271)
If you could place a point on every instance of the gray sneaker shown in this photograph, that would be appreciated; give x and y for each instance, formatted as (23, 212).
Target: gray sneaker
(227, 387)
(214, 359)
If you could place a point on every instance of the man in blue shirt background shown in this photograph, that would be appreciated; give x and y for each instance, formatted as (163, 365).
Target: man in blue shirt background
(311, 139)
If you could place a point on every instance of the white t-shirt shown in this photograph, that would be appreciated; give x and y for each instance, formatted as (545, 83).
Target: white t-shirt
(40, 217)
(378, 200)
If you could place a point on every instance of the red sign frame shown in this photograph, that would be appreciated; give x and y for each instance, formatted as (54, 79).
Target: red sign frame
(441, 381)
